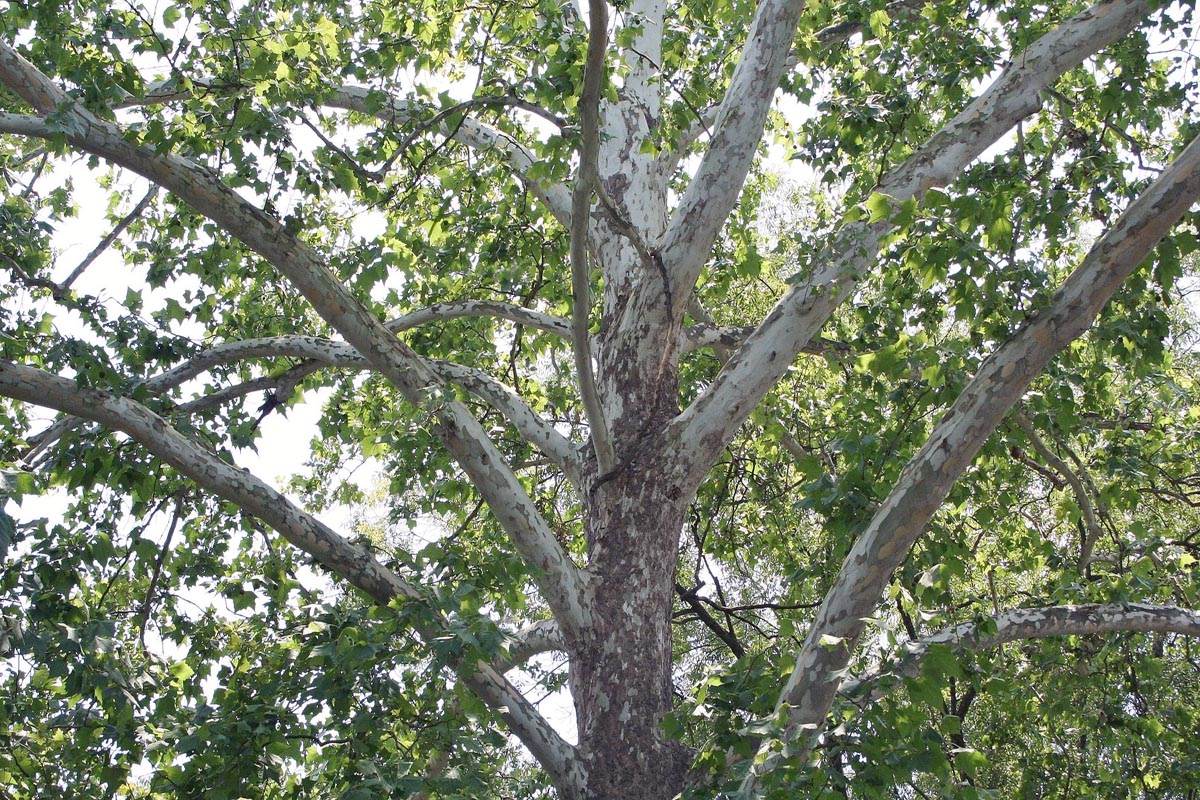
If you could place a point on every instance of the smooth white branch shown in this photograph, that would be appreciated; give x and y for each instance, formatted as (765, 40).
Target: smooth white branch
(714, 190)
(1026, 623)
(561, 582)
(974, 415)
(708, 424)
(543, 636)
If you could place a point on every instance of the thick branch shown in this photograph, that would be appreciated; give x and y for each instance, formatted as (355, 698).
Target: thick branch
(586, 183)
(1029, 623)
(711, 421)
(344, 558)
(561, 582)
(928, 477)
(718, 182)
(827, 37)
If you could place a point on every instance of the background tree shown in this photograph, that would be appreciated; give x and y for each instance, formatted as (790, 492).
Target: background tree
(880, 480)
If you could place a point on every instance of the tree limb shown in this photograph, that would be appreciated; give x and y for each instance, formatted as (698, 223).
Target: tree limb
(347, 559)
(543, 636)
(587, 181)
(383, 106)
(319, 353)
(1027, 623)
(1092, 530)
(713, 418)
(344, 558)
(482, 308)
(975, 414)
(562, 583)
(828, 36)
(718, 182)
(471, 132)
(112, 236)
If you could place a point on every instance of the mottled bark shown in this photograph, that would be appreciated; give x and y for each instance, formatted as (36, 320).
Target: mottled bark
(621, 667)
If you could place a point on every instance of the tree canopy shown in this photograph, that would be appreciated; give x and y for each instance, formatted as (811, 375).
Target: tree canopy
(804, 395)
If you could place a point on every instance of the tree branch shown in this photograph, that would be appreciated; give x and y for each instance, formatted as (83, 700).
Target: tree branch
(532, 427)
(713, 418)
(539, 637)
(551, 750)
(347, 559)
(829, 36)
(718, 182)
(1092, 530)
(112, 236)
(543, 636)
(587, 181)
(319, 353)
(344, 558)
(380, 105)
(562, 583)
(471, 132)
(1028, 623)
(955, 440)
(482, 308)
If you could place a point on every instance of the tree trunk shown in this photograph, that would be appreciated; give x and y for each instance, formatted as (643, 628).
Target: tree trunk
(621, 667)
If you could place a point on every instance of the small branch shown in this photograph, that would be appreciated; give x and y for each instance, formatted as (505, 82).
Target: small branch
(1050, 475)
(1094, 420)
(113, 235)
(543, 636)
(1084, 501)
(482, 308)
(586, 182)
(148, 602)
(29, 281)
(471, 132)
(696, 604)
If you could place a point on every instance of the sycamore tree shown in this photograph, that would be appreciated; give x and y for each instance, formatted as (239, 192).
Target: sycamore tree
(805, 391)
